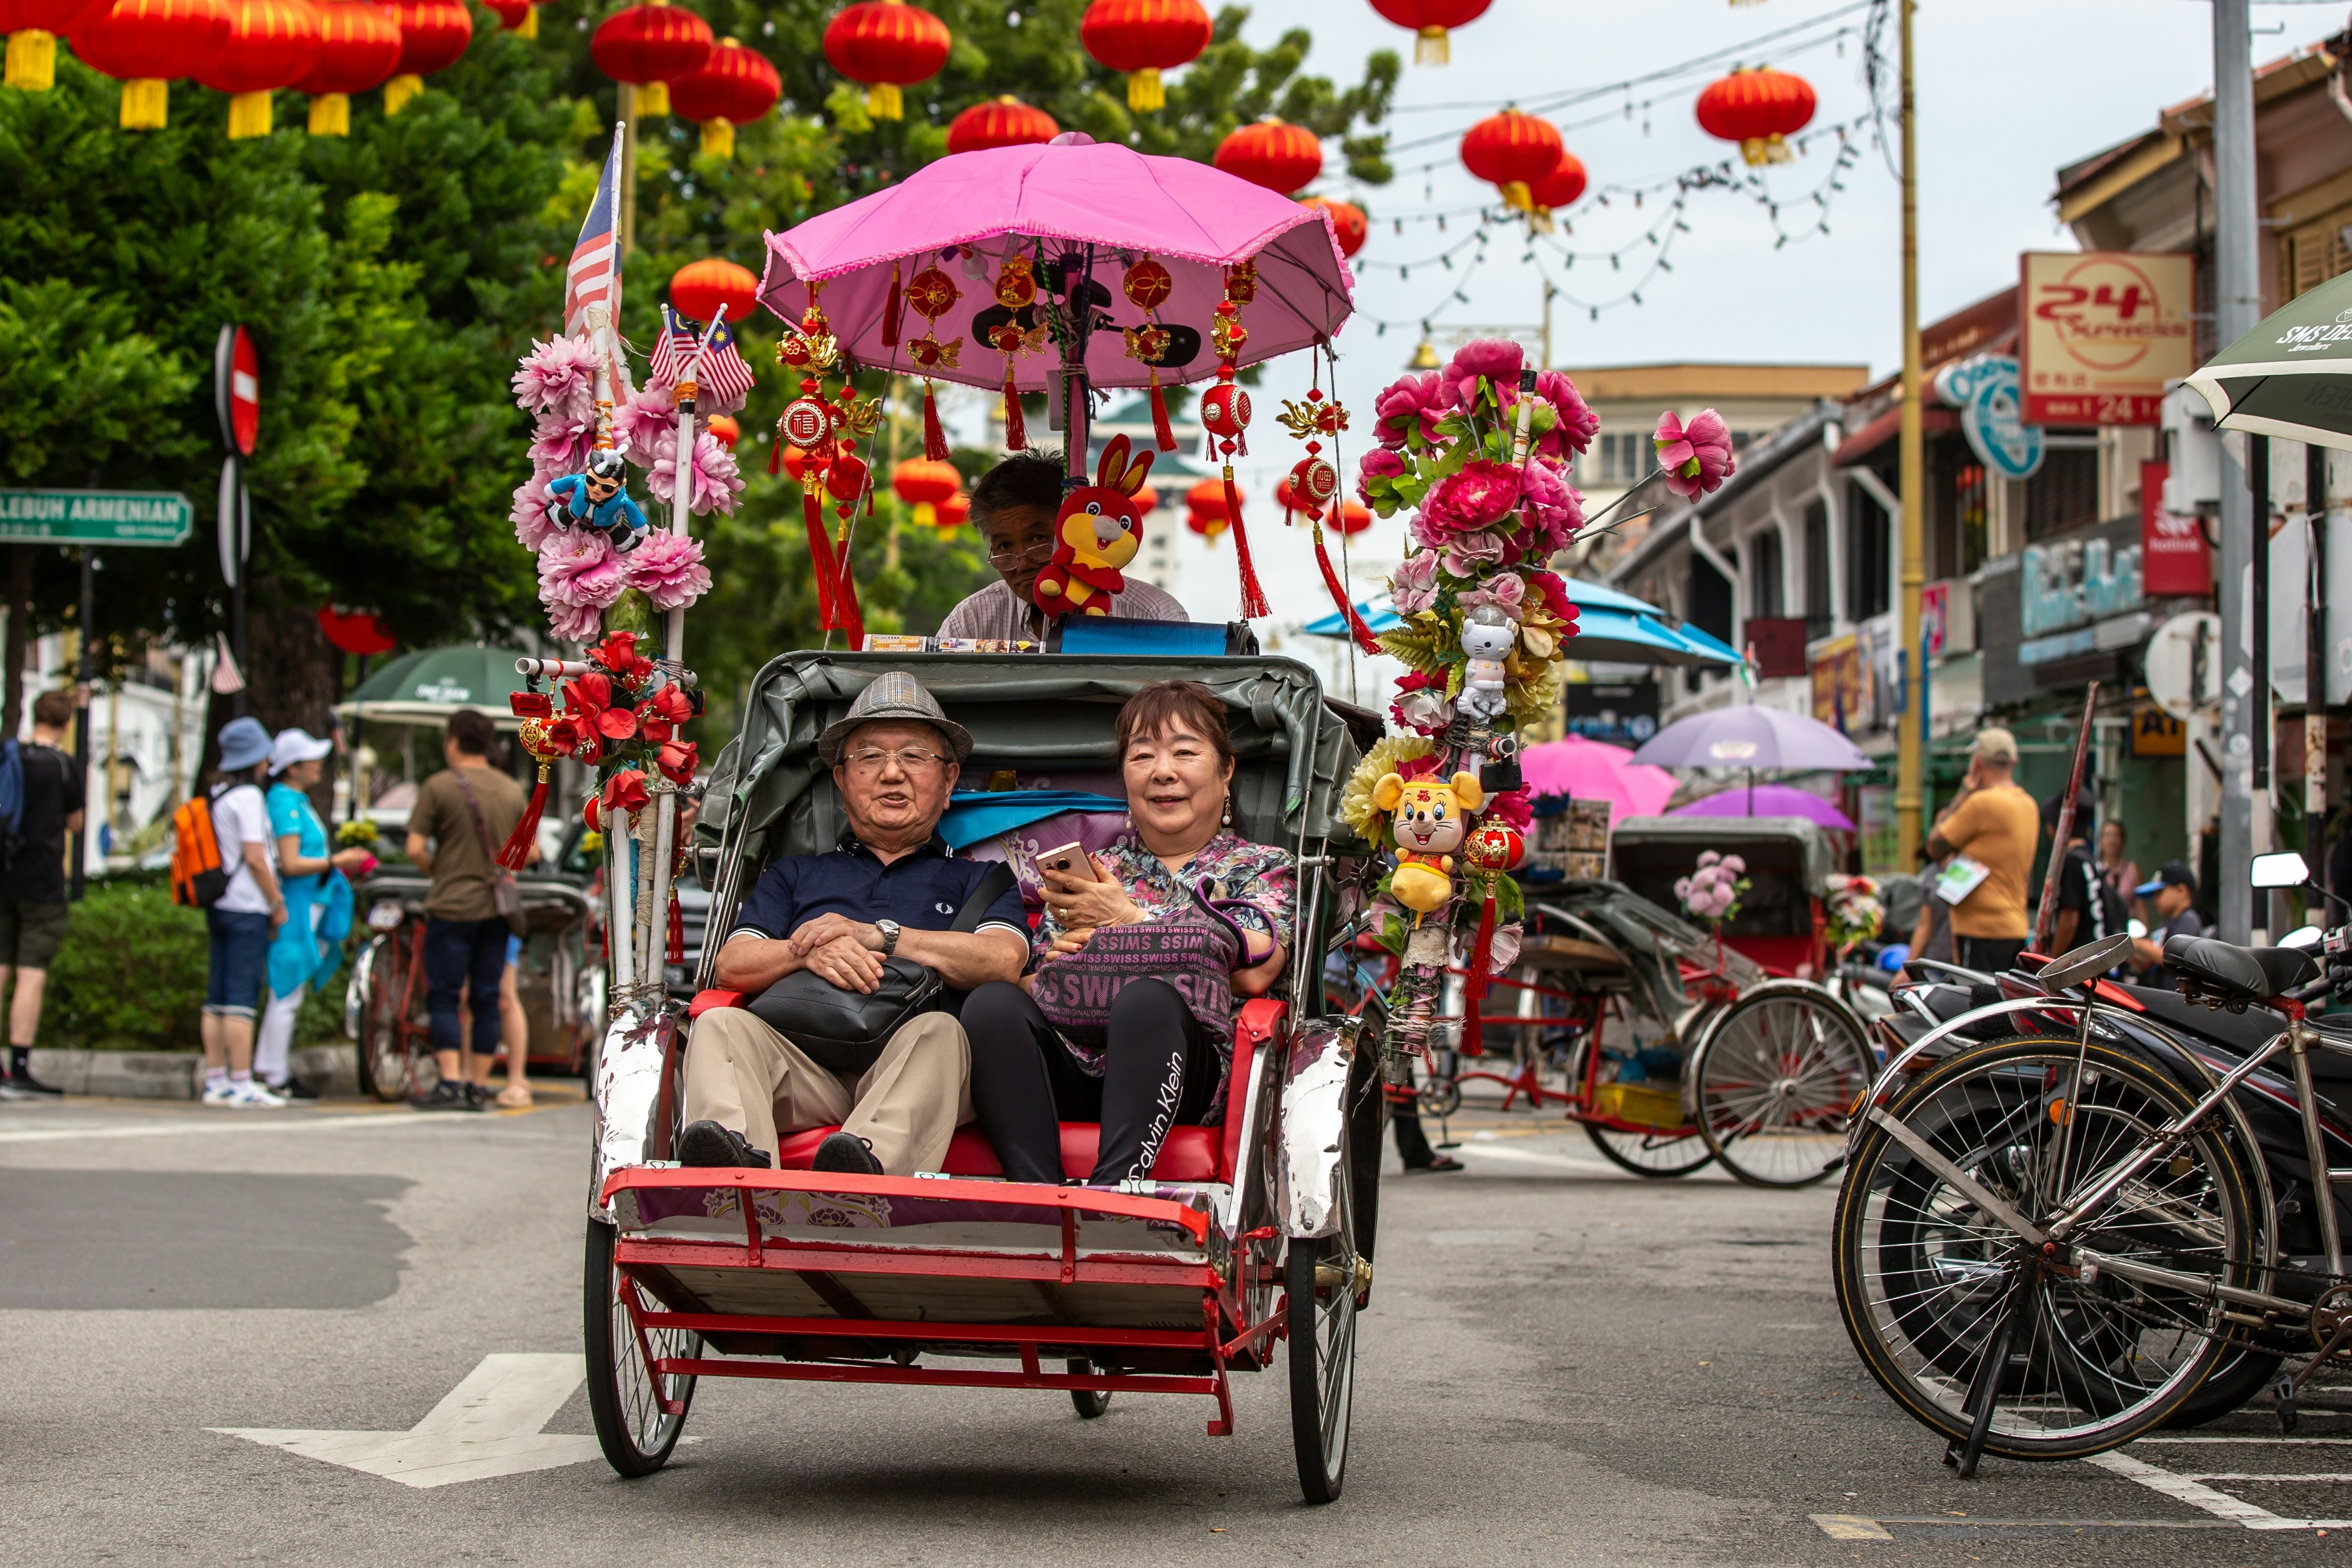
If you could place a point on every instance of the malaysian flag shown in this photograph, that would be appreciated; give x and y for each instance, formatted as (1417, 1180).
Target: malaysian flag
(594, 276)
(721, 382)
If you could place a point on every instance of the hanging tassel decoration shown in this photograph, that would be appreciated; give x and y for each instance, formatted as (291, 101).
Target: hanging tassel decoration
(516, 853)
(1016, 435)
(1254, 605)
(1161, 430)
(820, 544)
(1357, 630)
(852, 618)
(1474, 981)
(890, 307)
(776, 453)
(677, 950)
(935, 438)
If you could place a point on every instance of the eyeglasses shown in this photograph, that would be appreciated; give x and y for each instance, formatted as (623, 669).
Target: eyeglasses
(910, 759)
(1034, 555)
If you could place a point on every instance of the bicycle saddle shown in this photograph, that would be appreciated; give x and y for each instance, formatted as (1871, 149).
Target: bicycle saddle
(2235, 976)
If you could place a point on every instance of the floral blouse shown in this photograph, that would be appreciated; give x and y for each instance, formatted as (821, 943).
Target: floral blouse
(1235, 867)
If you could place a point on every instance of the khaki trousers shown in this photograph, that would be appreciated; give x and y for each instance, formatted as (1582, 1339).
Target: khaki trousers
(743, 1075)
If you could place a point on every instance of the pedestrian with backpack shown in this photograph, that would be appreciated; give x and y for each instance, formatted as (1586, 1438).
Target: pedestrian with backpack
(41, 803)
(243, 917)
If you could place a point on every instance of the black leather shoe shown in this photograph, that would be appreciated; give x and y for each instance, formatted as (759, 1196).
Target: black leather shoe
(706, 1143)
(27, 1087)
(446, 1096)
(845, 1153)
(293, 1089)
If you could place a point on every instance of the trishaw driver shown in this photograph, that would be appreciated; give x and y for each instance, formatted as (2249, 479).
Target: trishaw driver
(890, 888)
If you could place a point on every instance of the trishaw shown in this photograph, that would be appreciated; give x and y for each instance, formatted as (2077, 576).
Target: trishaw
(1677, 1046)
(1252, 1232)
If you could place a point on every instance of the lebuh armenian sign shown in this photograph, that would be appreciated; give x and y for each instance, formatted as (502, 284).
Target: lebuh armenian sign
(95, 517)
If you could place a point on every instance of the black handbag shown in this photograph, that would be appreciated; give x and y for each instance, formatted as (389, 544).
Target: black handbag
(844, 1031)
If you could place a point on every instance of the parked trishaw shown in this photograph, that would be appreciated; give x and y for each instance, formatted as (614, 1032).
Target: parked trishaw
(1670, 1045)
(1254, 1232)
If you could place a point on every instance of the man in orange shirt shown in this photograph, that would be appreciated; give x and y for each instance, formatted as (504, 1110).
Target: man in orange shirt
(1995, 825)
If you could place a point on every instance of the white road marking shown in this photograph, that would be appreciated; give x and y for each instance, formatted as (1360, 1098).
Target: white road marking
(2309, 1477)
(1530, 1156)
(2196, 1494)
(239, 1121)
(2266, 1442)
(1850, 1527)
(487, 1425)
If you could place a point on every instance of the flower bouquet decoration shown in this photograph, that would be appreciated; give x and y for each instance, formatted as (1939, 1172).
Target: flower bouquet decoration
(1854, 913)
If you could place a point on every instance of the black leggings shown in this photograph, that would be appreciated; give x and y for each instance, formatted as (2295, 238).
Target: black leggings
(1159, 1070)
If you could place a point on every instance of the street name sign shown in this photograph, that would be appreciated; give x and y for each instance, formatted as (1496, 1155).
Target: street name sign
(95, 517)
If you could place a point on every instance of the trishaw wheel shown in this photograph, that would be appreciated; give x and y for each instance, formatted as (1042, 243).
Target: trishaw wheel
(635, 1433)
(1774, 1073)
(386, 1068)
(1658, 1155)
(1322, 1279)
(1090, 1403)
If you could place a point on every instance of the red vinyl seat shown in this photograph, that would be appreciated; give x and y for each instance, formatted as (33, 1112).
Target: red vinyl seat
(1191, 1154)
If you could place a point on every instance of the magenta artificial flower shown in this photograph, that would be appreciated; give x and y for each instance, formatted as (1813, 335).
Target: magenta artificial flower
(1506, 590)
(579, 569)
(1379, 463)
(717, 480)
(558, 376)
(1578, 423)
(1512, 809)
(1480, 493)
(561, 443)
(1696, 457)
(668, 570)
(574, 623)
(530, 514)
(640, 423)
(1412, 586)
(1407, 400)
(1496, 359)
(1553, 508)
(1548, 585)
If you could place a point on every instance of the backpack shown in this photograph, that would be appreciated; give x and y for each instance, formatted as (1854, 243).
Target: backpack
(198, 878)
(12, 802)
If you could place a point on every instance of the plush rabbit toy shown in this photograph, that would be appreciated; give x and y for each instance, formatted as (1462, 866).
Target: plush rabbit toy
(1099, 528)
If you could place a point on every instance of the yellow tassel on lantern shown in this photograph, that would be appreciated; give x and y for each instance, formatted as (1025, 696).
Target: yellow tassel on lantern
(1761, 150)
(529, 28)
(718, 138)
(330, 114)
(248, 115)
(1517, 195)
(1144, 92)
(1429, 47)
(399, 90)
(32, 61)
(882, 101)
(926, 515)
(145, 104)
(653, 99)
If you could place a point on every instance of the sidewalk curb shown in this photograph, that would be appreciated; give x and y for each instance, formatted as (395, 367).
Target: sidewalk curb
(179, 1075)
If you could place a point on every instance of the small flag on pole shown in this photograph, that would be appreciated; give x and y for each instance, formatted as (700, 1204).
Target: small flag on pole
(723, 381)
(594, 276)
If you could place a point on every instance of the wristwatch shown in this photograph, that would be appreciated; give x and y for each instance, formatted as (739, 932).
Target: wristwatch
(889, 930)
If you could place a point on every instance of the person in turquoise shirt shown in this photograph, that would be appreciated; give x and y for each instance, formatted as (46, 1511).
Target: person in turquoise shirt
(309, 947)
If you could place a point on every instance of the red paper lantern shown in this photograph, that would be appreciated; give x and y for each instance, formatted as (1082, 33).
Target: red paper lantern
(519, 17)
(359, 44)
(1147, 500)
(271, 43)
(923, 484)
(1512, 150)
(433, 36)
(1354, 517)
(355, 631)
(698, 289)
(649, 47)
(734, 86)
(145, 44)
(1757, 108)
(724, 429)
(1204, 506)
(1560, 187)
(1349, 225)
(954, 511)
(1144, 37)
(1000, 123)
(1429, 19)
(885, 45)
(1280, 156)
(797, 463)
(33, 27)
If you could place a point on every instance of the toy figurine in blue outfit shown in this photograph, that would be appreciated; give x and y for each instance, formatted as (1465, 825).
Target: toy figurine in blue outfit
(597, 500)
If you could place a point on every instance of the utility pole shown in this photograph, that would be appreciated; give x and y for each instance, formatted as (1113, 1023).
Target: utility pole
(85, 672)
(1909, 752)
(2238, 306)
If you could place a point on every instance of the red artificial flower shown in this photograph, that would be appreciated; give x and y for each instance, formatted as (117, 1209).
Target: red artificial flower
(670, 705)
(589, 694)
(653, 732)
(616, 652)
(677, 761)
(617, 723)
(625, 791)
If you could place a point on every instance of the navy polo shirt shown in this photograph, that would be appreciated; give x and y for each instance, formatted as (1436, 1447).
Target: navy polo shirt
(924, 890)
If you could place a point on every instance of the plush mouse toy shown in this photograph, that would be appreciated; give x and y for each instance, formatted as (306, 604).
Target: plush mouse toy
(1429, 816)
(1099, 529)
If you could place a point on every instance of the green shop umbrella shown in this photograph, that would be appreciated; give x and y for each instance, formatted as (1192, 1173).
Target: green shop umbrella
(430, 685)
(2290, 376)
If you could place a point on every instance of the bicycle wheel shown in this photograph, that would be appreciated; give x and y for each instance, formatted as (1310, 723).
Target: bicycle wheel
(387, 1068)
(1952, 1311)
(1774, 1072)
(1658, 1155)
(1321, 1280)
(625, 1394)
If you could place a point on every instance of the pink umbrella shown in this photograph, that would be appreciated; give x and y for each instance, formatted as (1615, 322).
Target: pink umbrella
(1104, 206)
(1768, 800)
(1590, 770)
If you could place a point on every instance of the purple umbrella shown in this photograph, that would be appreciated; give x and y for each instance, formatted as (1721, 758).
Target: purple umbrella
(1768, 800)
(1763, 740)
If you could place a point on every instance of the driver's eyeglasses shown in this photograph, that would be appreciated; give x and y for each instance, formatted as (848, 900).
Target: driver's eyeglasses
(1031, 555)
(910, 759)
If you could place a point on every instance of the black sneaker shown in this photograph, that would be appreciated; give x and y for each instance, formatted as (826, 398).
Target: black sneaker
(847, 1154)
(446, 1095)
(25, 1086)
(293, 1089)
(707, 1144)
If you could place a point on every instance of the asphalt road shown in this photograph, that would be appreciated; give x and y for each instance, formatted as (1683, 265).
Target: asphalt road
(1561, 1363)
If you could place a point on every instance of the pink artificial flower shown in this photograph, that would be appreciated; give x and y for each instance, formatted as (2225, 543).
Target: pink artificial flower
(1506, 590)
(1553, 508)
(1578, 423)
(1408, 400)
(1379, 463)
(1421, 704)
(1496, 359)
(1481, 492)
(574, 623)
(1512, 809)
(1503, 947)
(1412, 586)
(558, 376)
(530, 514)
(640, 424)
(579, 569)
(668, 570)
(717, 480)
(1465, 556)
(1697, 458)
(561, 443)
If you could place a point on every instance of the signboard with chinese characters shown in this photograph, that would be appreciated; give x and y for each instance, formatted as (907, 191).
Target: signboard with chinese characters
(1838, 684)
(2101, 334)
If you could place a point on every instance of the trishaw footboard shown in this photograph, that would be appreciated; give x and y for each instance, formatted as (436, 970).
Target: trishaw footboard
(834, 1278)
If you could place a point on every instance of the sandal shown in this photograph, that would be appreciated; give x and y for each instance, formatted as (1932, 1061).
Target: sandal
(515, 1097)
(1436, 1162)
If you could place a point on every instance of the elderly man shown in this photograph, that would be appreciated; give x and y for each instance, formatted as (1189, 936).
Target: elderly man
(1013, 506)
(889, 889)
(1994, 826)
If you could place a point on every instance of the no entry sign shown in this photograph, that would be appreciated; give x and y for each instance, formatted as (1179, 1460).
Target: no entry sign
(237, 390)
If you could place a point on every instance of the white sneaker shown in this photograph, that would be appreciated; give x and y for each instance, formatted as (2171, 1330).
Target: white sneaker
(217, 1091)
(249, 1096)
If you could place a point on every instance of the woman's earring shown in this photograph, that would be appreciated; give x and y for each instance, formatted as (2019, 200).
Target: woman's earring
(1229, 810)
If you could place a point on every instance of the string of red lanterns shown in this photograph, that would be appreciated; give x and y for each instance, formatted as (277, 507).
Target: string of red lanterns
(698, 289)
(145, 44)
(926, 485)
(359, 47)
(1429, 20)
(1757, 108)
(1144, 37)
(519, 17)
(1000, 122)
(1274, 154)
(883, 45)
(1511, 152)
(735, 87)
(1349, 225)
(433, 38)
(649, 47)
(33, 27)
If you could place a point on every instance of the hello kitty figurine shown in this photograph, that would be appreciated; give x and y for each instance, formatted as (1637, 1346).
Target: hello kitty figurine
(1488, 636)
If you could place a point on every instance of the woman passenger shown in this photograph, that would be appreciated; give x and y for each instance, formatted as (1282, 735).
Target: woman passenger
(1026, 1078)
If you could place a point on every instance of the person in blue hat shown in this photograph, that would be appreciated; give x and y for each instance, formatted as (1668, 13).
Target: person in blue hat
(243, 921)
(2171, 896)
(308, 948)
